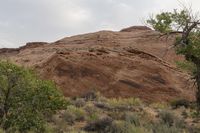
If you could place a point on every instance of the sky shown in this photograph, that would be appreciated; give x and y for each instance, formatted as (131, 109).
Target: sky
(23, 21)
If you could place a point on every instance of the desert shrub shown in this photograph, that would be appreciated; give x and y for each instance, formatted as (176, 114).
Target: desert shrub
(117, 115)
(159, 106)
(60, 128)
(90, 108)
(101, 125)
(93, 117)
(48, 129)
(164, 128)
(78, 112)
(132, 118)
(180, 103)
(126, 127)
(25, 100)
(68, 117)
(58, 124)
(80, 102)
(167, 117)
(92, 112)
(76, 131)
(120, 127)
(124, 102)
(91, 95)
(179, 123)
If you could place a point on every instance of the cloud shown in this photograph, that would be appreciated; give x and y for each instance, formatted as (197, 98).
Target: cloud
(22, 21)
(6, 43)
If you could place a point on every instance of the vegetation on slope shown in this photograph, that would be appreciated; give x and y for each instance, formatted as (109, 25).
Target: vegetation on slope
(25, 100)
(31, 105)
(98, 114)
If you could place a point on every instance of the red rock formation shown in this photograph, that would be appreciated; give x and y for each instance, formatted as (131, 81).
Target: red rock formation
(134, 62)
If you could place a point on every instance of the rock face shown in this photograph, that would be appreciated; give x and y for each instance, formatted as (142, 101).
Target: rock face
(135, 28)
(132, 62)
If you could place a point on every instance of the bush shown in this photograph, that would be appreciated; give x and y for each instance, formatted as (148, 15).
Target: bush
(25, 100)
(69, 117)
(79, 102)
(126, 127)
(124, 103)
(179, 103)
(92, 112)
(120, 127)
(76, 131)
(170, 120)
(164, 128)
(132, 118)
(91, 96)
(78, 112)
(101, 125)
(167, 117)
(117, 115)
(162, 106)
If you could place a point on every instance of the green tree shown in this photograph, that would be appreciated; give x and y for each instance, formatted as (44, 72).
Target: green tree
(186, 25)
(25, 100)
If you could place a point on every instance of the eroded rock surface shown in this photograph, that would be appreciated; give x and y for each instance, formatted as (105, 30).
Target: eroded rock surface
(132, 62)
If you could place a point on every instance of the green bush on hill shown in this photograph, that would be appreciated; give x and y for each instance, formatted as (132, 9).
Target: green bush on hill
(25, 100)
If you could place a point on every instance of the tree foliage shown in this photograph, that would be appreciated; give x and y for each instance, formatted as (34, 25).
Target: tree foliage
(25, 100)
(161, 22)
(186, 25)
(166, 22)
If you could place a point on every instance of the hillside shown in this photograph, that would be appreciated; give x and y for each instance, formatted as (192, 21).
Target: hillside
(132, 62)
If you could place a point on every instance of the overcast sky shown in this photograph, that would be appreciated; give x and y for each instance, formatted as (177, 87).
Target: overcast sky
(24, 21)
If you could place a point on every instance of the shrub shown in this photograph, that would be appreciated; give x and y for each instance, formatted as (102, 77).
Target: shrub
(159, 106)
(91, 96)
(120, 127)
(126, 127)
(78, 112)
(79, 102)
(101, 125)
(25, 100)
(181, 102)
(93, 117)
(117, 115)
(179, 123)
(92, 112)
(164, 128)
(69, 117)
(167, 117)
(90, 108)
(125, 103)
(76, 131)
(170, 120)
(132, 118)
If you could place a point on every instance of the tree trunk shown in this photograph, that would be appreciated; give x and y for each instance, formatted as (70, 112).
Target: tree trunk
(198, 87)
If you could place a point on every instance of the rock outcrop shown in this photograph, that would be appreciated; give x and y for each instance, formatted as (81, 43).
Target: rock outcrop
(132, 62)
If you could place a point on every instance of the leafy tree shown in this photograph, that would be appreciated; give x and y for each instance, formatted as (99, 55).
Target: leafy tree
(161, 22)
(186, 25)
(25, 100)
